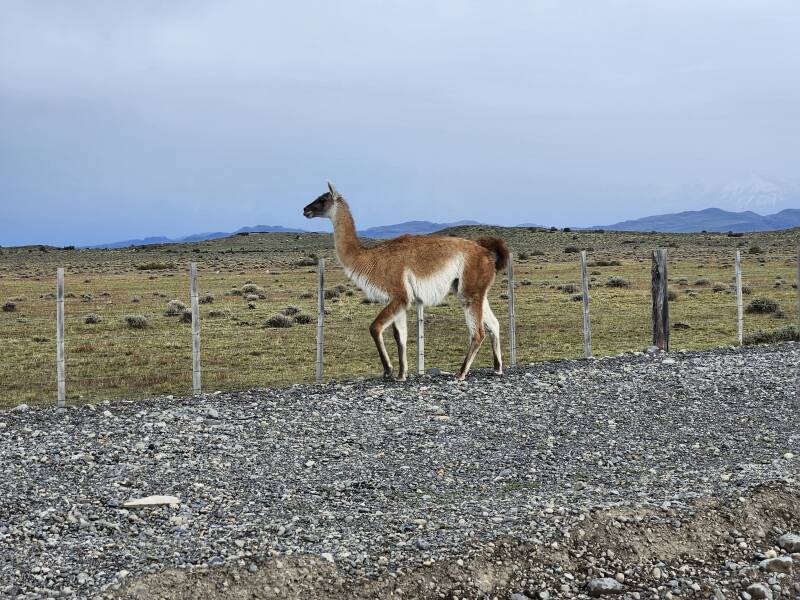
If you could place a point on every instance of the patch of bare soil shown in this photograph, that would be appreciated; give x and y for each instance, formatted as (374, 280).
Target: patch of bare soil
(711, 548)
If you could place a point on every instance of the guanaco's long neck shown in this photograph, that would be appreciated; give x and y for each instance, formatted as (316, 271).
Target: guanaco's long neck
(344, 234)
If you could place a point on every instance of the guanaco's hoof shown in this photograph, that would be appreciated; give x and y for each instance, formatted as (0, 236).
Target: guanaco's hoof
(387, 375)
(498, 372)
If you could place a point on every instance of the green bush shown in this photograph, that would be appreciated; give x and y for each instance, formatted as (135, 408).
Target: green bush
(155, 266)
(278, 321)
(762, 306)
(618, 282)
(755, 250)
(174, 308)
(303, 319)
(783, 334)
(136, 321)
(206, 299)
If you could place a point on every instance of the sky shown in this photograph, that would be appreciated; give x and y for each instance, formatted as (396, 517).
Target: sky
(121, 120)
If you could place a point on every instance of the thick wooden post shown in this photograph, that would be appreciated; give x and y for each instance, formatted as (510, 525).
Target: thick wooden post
(587, 325)
(60, 375)
(320, 317)
(420, 339)
(512, 315)
(660, 300)
(798, 311)
(196, 376)
(739, 303)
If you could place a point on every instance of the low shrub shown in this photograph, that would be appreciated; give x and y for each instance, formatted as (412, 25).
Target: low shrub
(136, 321)
(186, 316)
(290, 310)
(306, 295)
(782, 334)
(747, 288)
(303, 319)
(307, 262)
(762, 306)
(216, 313)
(569, 288)
(576, 297)
(252, 288)
(719, 287)
(672, 295)
(526, 282)
(278, 321)
(682, 281)
(206, 299)
(9, 306)
(251, 297)
(618, 282)
(702, 281)
(331, 294)
(605, 263)
(755, 250)
(571, 250)
(136, 300)
(174, 308)
(155, 266)
(92, 319)
(537, 252)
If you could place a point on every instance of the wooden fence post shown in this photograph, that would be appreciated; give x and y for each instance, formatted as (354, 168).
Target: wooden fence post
(587, 325)
(196, 375)
(420, 339)
(798, 307)
(320, 317)
(739, 303)
(512, 315)
(660, 299)
(60, 375)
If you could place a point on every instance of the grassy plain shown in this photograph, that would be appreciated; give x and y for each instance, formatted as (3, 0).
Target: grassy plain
(110, 359)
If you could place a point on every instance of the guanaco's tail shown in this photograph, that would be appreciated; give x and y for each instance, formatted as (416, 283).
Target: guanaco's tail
(500, 249)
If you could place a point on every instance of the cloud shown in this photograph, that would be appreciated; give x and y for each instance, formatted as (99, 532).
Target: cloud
(169, 118)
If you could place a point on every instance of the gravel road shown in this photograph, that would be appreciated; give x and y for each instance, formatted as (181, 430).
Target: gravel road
(657, 476)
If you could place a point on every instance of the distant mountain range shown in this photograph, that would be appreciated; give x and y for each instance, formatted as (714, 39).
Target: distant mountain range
(382, 232)
(711, 219)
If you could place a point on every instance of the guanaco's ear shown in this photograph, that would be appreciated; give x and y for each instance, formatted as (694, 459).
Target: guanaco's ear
(332, 190)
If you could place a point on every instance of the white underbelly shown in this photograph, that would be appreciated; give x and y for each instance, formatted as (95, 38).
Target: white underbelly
(433, 289)
(371, 291)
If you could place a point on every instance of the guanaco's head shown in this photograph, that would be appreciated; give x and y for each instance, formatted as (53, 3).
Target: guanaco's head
(324, 205)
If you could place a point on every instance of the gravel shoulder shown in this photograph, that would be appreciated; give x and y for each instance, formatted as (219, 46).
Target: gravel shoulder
(673, 475)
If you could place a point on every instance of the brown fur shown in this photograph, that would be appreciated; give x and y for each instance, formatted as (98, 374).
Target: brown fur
(386, 265)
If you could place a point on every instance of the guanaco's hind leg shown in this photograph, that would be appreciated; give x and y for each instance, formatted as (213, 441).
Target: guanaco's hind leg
(381, 322)
(473, 311)
(400, 329)
(493, 328)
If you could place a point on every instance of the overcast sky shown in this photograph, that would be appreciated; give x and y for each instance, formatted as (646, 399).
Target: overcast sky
(124, 119)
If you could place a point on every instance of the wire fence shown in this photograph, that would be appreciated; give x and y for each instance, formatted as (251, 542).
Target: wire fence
(132, 337)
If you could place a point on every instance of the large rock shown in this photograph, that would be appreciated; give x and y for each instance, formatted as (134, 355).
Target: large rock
(604, 586)
(782, 564)
(758, 591)
(789, 542)
(152, 501)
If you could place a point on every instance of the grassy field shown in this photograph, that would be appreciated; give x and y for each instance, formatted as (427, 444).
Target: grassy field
(247, 280)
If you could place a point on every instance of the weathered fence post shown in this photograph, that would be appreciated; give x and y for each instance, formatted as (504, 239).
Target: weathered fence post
(798, 295)
(739, 307)
(320, 317)
(660, 299)
(587, 325)
(420, 339)
(60, 376)
(196, 376)
(512, 315)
